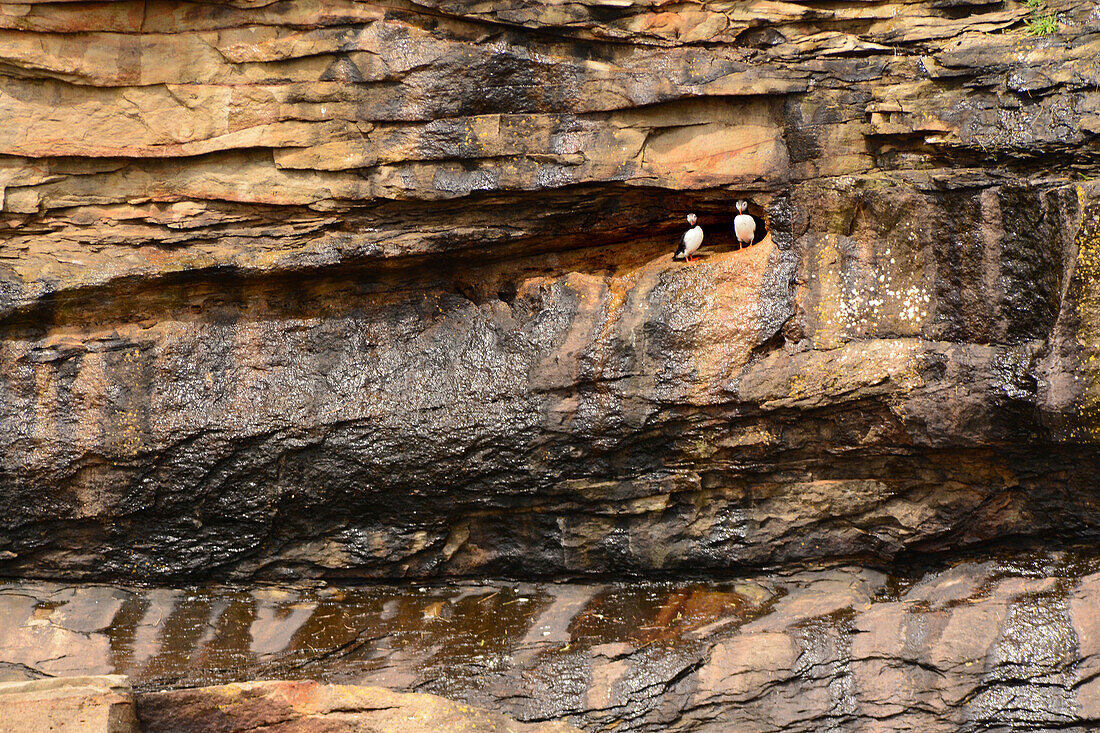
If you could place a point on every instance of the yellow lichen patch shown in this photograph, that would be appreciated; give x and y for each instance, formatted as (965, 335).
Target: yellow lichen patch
(1086, 291)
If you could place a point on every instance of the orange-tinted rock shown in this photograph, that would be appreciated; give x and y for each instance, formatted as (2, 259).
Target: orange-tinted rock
(68, 705)
(309, 707)
(1002, 641)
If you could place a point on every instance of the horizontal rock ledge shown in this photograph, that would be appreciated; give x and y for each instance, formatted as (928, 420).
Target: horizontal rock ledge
(107, 705)
(1000, 640)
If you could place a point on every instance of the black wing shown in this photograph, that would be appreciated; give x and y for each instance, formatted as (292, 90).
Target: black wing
(761, 229)
(681, 251)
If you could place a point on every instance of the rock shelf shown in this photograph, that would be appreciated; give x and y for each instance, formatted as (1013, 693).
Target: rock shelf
(992, 643)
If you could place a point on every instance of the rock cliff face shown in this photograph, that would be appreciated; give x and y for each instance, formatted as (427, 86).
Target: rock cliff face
(385, 289)
(987, 644)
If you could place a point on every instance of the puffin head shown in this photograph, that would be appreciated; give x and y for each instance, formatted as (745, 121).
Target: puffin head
(692, 219)
(741, 206)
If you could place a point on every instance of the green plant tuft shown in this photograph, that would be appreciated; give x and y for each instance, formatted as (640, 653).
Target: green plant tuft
(1040, 23)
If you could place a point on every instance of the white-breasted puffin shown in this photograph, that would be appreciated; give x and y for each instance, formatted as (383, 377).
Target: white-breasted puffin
(744, 225)
(689, 241)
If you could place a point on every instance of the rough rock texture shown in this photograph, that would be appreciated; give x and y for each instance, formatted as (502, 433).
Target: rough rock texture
(991, 643)
(385, 289)
(307, 707)
(107, 705)
(68, 705)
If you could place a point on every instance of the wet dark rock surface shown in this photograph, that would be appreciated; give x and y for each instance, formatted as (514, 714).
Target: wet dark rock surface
(383, 290)
(1008, 642)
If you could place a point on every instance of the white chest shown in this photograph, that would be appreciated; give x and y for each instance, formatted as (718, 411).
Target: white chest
(744, 227)
(692, 239)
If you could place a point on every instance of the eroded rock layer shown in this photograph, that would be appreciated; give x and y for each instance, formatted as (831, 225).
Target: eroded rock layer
(1007, 643)
(385, 289)
(106, 704)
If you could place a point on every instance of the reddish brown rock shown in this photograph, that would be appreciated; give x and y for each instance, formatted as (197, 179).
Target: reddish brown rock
(68, 705)
(309, 707)
(1001, 642)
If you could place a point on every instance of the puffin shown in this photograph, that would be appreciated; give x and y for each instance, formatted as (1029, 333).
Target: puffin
(690, 240)
(744, 225)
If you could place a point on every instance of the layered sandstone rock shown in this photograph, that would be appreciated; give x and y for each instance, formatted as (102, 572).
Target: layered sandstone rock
(107, 705)
(990, 643)
(68, 705)
(307, 707)
(385, 289)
